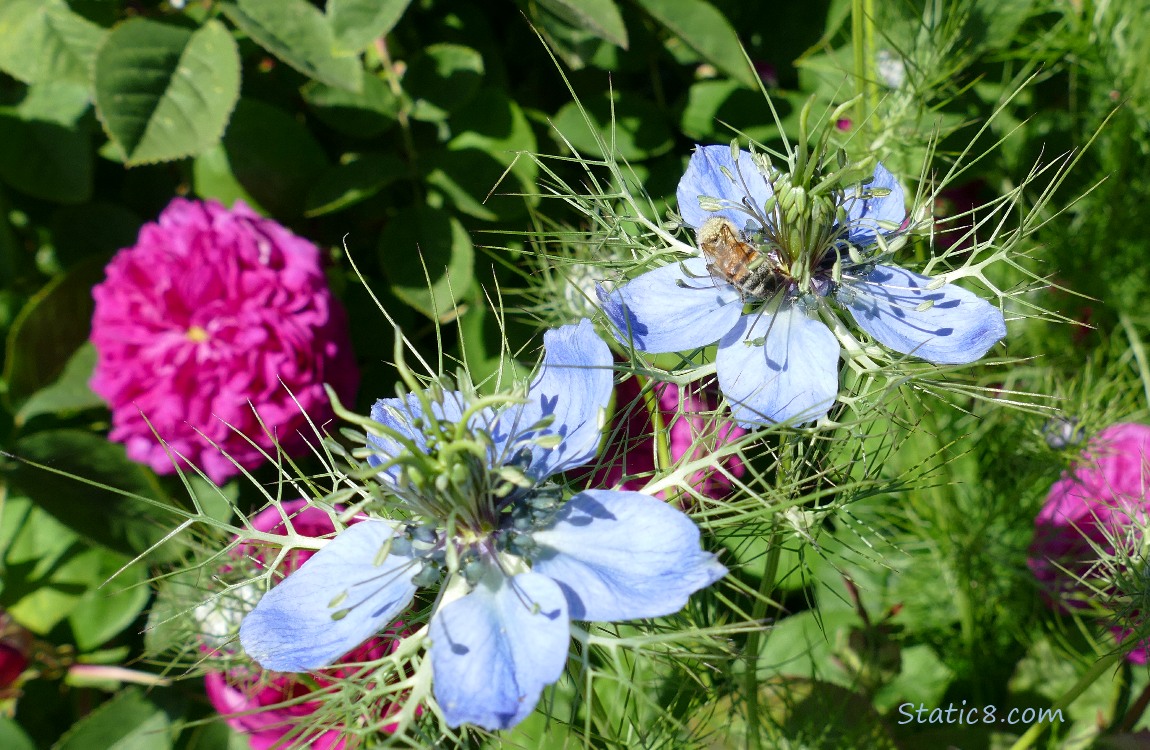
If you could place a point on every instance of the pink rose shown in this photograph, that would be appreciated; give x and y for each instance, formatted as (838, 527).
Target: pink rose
(692, 428)
(15, 643)
(250, 698)
(214, 313)
(1091, 505)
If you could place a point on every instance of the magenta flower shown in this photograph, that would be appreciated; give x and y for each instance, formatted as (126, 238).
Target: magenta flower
(1087, 510)
(693, 432)
(211, 315)
(15, 643)
(252, 699)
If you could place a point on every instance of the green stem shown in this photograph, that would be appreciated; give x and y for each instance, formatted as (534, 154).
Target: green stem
(862, 37)
(759, 613)
(1099, 668)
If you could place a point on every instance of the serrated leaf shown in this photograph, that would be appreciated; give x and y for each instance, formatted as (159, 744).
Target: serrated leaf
(128, 721)
(358, 23)
(347, 184)
(443, 79)
(45, 41)
(432, 238)
(704, 29)
(296, 32)
(164, 92)
(600, 17)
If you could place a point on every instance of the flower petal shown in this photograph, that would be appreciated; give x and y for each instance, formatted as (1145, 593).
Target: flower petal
(295, 626)
(494, 650)
(778, 366)
(398, 415)
(704, 177)
(864, 214)
(672, 309)
(958, 328)
(623, 555)
(573, 387)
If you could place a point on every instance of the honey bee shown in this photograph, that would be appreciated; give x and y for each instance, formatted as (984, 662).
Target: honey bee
(737, 262)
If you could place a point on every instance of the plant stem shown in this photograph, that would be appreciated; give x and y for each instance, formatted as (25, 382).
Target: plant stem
(1036, 730)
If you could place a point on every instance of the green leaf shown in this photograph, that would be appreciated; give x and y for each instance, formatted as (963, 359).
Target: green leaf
(639, 132)
(358, 23)
(296, 32)
(110, 606)
(706, 31)
(600, 17)
(45, 41)
(269, 159)
(366, 114)
(60, 102)
(164, 92)
(107, 517)
(41, 596)
(432, 238)
(466, 177)
(347, 184)
(443, 79)
(92, 230)
(712, 103)
(127, 722)
(69, 393)
(45, 160)
(49, 329)
(12, 737)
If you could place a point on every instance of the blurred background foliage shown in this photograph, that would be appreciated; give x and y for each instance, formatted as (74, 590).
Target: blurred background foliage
(392, 130)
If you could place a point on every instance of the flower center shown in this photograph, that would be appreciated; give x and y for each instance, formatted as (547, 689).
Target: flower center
(197, 334)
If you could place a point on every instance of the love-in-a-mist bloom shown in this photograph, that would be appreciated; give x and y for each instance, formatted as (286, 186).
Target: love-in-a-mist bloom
(1099, 503)
(515, 562)
(265, 706)
(213, 317)
(779, 262)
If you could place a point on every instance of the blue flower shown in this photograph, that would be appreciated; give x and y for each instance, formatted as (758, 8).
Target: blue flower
(527, 564)
(773, 258)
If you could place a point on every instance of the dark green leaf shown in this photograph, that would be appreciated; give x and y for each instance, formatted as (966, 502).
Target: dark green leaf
(442, 79)
(348, 184)
(600, 17)
(466, 177)
(45, 160)
(430, 238)
(164, 92)
(110, 606)
(125, 524)
(358, 23)
(296, 32)
(45, 41)
(92, 230)
(49, 329)
(639, 132)
(127, 722)
(365, 114)
(267, 155)
(69, 393)
(706, 31)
